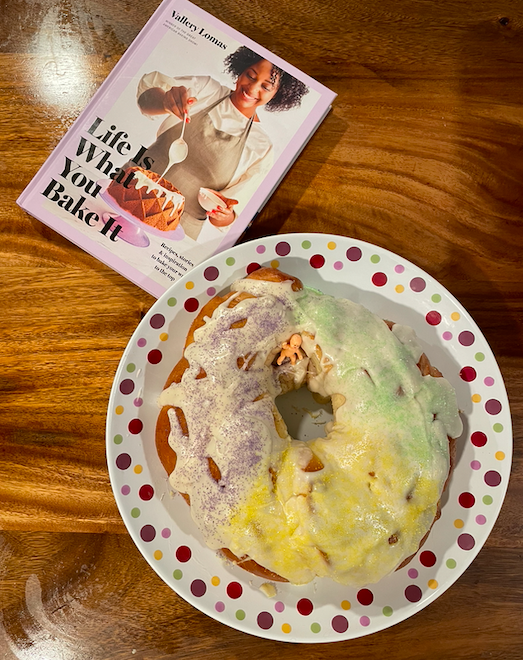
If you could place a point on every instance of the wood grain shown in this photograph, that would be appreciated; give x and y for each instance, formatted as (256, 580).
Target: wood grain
(422, 154)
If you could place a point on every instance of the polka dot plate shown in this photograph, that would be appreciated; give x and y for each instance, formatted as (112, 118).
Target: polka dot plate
(160, 522)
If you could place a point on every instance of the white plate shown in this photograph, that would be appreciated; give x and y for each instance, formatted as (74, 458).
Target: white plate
(322, 611)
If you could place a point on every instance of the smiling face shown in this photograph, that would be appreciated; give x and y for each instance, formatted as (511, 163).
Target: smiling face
(255, 87)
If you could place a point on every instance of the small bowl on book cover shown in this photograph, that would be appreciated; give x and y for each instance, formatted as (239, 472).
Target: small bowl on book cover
(209, 200)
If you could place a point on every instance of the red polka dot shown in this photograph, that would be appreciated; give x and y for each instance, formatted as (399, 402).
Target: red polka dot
(146, 492)
(317, 261)
(365, 596)
(252, 267)
(191, 305)
(413, 593)
(433, 318)
(135, 426)
(478, 439)
(468, 374)
(427, 558)
(183, 553)
(154, 356)
(379, 279)
(467, 500)
(304, 606)
(234, 590)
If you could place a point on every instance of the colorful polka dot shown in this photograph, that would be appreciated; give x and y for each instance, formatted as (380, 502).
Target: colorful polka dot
(399, 288)
(340, 624)
(475, 465)
(286, 628)
(365, 597)
(497, 428)
(364, 621)
(211, 291)
(135, 426)
(157, 321)
(489, 381)
(315, 628)
(487, 499)
(354, 254)
(130, 367)
(119, 410)
(458, 523)
(427, 558)
(177, 574)
(375, 258)
(141, 342)
(146, 492)
(499, 456)
(279, 606)
(467, 500)
(164, 336)
(387, 610)
(230, 261)
(455, 316)
(275, 264)
(304, 606)
(480, 519)
(123, 461)
(252, 267)
(198, 588)
(191, 305)
(466, 338)
(260, 249)
(135, 512)
(345, 605)
(183, 554)
(331, 245)
(127, 386)
(234, 590)
(158, 554)
(436, 298)
(306, 245)
(451, 563)
(478, 439)
(189, 285)
(166, 533)
(433, 318)
(219, 607)
(282, 249)
(475, 398)
(155, 356)
(172, 302)
(338, 265)
(466, 541)
(148, 533)
(211, 273)
(447, 336)
(468, 374)
(317, 261)
(493, 406)
(432, 584)
(413, 593)
(379, 279)
(265, 620)
(492, 478)
(479, 357)
(215, 581)
(125, 490)
(417, 284)
(240, 615)
(118, 439)
(412, 573)
(399, 268)
(138, 469)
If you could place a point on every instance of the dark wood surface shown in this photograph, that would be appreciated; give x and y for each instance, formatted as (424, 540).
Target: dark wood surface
(422, 154)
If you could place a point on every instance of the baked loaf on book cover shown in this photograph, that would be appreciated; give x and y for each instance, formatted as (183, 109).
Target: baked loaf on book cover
(149, 198)
(353, 504)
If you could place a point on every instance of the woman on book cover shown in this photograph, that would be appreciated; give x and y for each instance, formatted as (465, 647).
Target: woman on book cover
(229, 152)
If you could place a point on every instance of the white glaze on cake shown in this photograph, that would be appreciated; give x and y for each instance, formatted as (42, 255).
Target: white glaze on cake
(385, 456)
(164, 195)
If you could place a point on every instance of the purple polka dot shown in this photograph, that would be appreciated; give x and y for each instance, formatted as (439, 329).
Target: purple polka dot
(211, 291)
(365, 621)
(191, 305)
(283, 249)
(447, 336)
(354, 254)
(365, 596)
(475, 465)
(123, 461)
(379, 279)
(157, 321)
(260, 249)
(148, 533)
(433, 317)
(154, 356)
(265, 620)
(146, 492)
(339, 624)
(418, 284)
(304, 606)
(468, 374)
(412, 573)
(183, 554)
(427, 558)
(466, 338)
(413, 593)
(126, 386)
(492, 478)
(317, 261)
(198, 588)
(125, 490)
(399, 268)
(478, 439)
(481, 520)
(211, 273)
(166, 533)
(466, 500)
(142, 342)
(138, 402)
(338, 265)
(279, 606)
(135, 426)
(493, 407)
(489, 381)
(466, 541)
(219, 607)
(252, 267)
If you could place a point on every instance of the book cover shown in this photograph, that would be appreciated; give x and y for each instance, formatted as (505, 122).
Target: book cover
(179, 148)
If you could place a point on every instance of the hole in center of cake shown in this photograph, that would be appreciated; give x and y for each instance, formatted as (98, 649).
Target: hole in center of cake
(304, 416)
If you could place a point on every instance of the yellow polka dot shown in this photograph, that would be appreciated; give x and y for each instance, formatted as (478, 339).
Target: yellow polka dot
(138, 469)
(189, 285)
(433, 584)
(331, 245)
(158, 554)
(118, 410)
(399, 288)
(458, 523)
(500, 455)
(164, 336)
(275, 263)
(345, 605)
(455, 316)
(476, 398)
(286, 628)
(215, 581)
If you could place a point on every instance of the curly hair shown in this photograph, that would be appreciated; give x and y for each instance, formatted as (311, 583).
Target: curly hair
(290, 90)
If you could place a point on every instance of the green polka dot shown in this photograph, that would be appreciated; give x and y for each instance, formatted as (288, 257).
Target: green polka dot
(306, 245)
(436, 298)
(118, 439)
(315, 627)
(479, 357)
(135, 513)
(240, 615)
(498, 427)
(487, 499)
(131, 367)
(230, 261)
(375, 258)
(177, 574)
(172, 302)
(451, 563)
(387, 610)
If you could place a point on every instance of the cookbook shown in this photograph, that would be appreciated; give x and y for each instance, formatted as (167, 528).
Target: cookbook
(179, 149)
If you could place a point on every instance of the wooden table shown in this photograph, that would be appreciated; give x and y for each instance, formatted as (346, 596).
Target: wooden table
(422, 154)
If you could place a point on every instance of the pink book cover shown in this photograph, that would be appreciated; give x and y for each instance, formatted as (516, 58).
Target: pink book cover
(250, 114)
